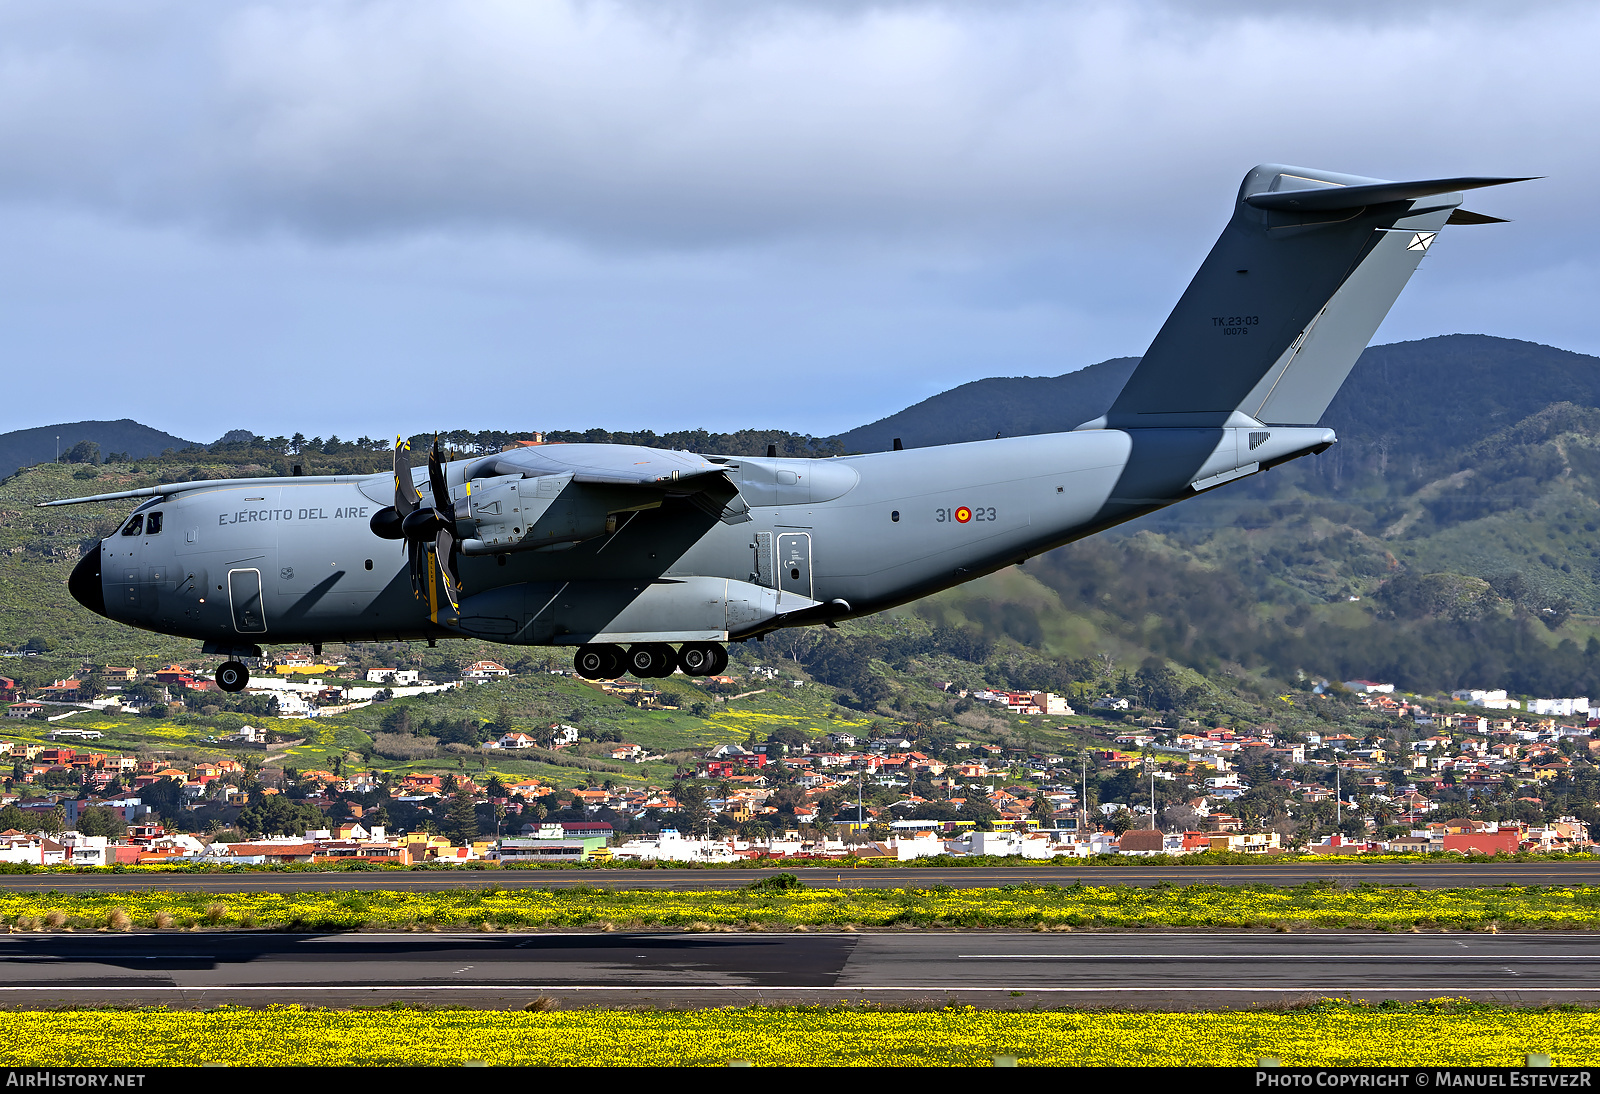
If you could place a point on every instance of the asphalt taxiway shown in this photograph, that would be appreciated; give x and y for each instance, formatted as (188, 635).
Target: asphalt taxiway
(1167, 970)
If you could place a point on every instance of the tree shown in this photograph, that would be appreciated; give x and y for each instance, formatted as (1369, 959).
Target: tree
(787, 738)
(1041, 810)
(694, 816)
(12, 818)
(461, 824)
(1179, 816)
(164, 796)
(935, 810)
(277, 815)
(1157, 686)
(98, 820)
(82, 452)
(980, 811)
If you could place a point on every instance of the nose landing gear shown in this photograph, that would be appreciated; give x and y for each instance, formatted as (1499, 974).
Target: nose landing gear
(603, 661)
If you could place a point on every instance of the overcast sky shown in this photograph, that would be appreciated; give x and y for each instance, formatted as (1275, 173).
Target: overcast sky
(370, 217)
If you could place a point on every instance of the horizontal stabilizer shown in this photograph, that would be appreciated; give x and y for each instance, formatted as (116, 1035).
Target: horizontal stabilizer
(1326, 199)
(1467, 216)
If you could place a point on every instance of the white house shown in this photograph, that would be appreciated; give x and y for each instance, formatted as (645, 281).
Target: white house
(1003, 844)
(514, 740)
(393, 676)
(1560, 708)
(485, 670)
(34, 850)
(672, 847)
(1369, 687)
(1489, 700)
(86, 850)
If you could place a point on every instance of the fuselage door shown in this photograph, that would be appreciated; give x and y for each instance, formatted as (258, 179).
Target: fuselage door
(244, 595)
(794, 563)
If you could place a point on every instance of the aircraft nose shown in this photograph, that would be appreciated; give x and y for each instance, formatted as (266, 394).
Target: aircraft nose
(84, 584)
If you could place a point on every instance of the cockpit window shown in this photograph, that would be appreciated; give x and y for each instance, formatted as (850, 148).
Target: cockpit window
(152, 523)
(134, 526)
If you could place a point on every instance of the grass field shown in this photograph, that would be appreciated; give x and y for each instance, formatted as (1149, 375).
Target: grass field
(1441, 1032)
(757, 907)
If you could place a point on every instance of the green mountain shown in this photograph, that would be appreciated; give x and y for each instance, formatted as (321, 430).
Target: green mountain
(1010, 406)
(26, 447)
(1451, 538)
(1413, 398)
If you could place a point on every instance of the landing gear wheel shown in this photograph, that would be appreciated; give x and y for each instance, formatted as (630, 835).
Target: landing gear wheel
(651, 659)
(598, 662)
(702, 658)
(232, 676)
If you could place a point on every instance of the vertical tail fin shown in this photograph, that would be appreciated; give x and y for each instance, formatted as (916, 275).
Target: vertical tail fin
(1288, 298)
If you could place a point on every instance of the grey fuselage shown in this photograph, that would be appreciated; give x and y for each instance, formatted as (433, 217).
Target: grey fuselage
(296, 562)
(575, 544)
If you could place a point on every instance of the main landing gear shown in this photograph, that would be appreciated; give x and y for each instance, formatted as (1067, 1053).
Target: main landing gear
(604, 661)
(232, 676)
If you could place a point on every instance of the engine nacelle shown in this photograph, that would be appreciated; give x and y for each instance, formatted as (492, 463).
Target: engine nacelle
(511, 513)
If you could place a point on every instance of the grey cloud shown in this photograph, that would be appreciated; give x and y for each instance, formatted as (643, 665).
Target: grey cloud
(803, 214)
(662, 124)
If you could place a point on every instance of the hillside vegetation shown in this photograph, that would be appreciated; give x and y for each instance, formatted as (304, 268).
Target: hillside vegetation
(1451, 539)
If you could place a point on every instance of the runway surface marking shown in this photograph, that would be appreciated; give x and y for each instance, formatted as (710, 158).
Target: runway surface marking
(497, 969)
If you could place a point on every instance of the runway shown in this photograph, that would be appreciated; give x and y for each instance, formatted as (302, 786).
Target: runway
(1168, 970)
(1424, 875)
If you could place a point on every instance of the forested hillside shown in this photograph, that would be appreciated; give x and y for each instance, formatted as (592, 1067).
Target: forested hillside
(1451, 539)
(83, 442)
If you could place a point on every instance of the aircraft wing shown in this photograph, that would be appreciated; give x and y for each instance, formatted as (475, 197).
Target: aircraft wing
(650, 473)
(170, 488)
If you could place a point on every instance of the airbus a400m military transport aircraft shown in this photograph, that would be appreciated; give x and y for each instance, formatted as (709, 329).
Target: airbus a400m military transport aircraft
(627, 552)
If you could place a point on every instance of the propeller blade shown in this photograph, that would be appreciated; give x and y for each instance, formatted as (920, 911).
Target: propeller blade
(405, 490)
(444, 547)
(417, 564)
(444, 551)
(441, 491)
